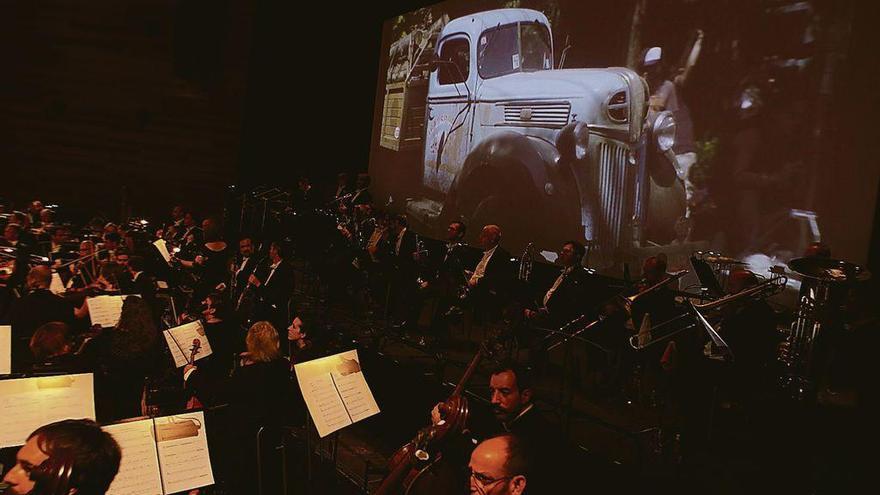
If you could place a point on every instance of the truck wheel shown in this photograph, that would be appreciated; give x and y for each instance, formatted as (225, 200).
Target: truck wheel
(506, 202)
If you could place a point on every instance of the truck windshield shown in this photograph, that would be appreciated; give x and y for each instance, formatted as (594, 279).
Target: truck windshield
(521, 47)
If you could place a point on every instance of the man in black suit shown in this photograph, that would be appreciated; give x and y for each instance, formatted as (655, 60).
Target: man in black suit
(513, 409)
(245, 264)
(32, 311)
(402, 270)
(490, 283)
(568, 297)
(274, 287)
(138, 281)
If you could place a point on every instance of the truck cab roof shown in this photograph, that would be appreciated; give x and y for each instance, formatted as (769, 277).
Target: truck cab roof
(476, 23)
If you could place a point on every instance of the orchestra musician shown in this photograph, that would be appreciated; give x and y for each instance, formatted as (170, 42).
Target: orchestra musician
(402, 274)
(243, 266)
(210, 260)
(501, 465)
(38, 307)
(444, 278)
(489, 283)
(512, 407)
(570, 293)
(273, 287)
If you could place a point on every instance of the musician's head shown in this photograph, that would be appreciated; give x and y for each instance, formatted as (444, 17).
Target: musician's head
(112, 240)
(189, 219)
(12, 232)
(499, 466)
(296, 332)
(122, 258)
(276, 251)
(86, 248)
(262, 342)
(490, 236)
(22, 219)
(110, 228)
(211, 229)
(39, 277)
(246, 246)
(572, 253)
(92, 452)
(36, 206)
(740, 280)
(60, 234)
(46, 216)
(510, 386)
(216, 306)
(654, 268)
(455, 231)
(177, 212)
(50, 340)
(304, 183)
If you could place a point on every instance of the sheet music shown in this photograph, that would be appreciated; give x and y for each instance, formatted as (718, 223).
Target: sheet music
(335, 391)
(183, 452)
(56, 286)
(139, 470)
(5, 349)
(324, 403)
(180, 341)
(28, 403)
(356, 395)
(105, 310)
(163, 250)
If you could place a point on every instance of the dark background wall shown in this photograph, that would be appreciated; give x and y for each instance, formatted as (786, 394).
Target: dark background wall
(108, 101)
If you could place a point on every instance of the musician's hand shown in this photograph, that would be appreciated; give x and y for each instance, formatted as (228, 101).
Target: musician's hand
(246, 358)
(254, 280)
(436, 417)
(188, 368)
(424, 284)
(200, 260)
(295, 328)
(220, 287)
(472, 282)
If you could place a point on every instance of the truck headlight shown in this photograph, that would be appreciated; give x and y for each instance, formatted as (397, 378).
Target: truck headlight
(581, 140)
(664, 131)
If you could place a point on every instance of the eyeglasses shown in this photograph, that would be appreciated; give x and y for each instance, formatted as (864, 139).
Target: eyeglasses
(485, 483)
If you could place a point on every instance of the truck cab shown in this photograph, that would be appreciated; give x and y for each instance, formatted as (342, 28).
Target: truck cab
(550, 153)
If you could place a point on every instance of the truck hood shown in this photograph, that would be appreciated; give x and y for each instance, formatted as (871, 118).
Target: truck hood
(568, 84)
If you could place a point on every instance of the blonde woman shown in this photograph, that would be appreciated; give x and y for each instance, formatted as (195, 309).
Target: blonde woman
(260, 393)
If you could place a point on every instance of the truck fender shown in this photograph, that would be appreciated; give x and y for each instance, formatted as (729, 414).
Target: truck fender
(510, 155)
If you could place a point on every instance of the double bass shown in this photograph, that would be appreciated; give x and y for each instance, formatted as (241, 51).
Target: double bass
(415, 459)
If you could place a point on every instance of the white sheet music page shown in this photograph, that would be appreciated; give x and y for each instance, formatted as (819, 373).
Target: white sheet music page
(28, 403)
(105, 310)
(183, 452)
(5, 349)
(163, 250)
(335, 391)
(139, 470)
(180, 341)
(353, 388)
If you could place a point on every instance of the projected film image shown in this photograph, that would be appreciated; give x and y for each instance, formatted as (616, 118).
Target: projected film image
(635, 127)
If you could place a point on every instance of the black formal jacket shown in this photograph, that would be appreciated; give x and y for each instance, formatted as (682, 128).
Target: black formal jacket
(573, 297)
(492, 292)
(273, 295)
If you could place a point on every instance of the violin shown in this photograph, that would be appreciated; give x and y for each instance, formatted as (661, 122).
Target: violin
(193, 402)
(414, 459)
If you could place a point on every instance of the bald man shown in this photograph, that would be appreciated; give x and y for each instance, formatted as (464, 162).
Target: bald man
(491, 280)
(499, 466)
(34, 310)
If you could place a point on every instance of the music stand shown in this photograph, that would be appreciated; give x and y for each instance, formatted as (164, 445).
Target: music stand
(707, 277)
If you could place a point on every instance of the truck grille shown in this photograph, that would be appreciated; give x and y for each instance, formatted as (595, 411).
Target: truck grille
(616, 188)
(543, 114)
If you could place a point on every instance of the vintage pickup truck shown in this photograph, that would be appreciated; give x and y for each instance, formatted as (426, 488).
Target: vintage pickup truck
(478, 125)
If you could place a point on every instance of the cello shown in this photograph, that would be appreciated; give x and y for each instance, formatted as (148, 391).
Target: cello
(419, 455)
